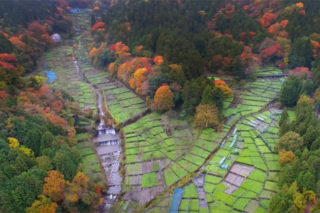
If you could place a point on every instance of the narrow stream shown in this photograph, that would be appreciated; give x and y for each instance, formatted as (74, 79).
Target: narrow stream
(108, 146)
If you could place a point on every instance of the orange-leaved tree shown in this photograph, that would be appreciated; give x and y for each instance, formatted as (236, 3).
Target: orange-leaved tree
(140, 76)
(99, 26)
(96, 52)
(120, 49)
(20, 45)
(77, 188)
(300, 5)
(158, 60)
(227, 91)
(54, 186)
(163, 99)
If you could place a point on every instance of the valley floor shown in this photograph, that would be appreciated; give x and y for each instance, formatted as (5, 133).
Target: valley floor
(168, 165)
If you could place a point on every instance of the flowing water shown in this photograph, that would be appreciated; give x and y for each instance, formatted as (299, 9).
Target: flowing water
(108, 146)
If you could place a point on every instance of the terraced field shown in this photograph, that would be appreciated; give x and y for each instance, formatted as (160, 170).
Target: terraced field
(268, 71)
(256, 95)
(149, 152)
(241, 176)
(160, 153)
(90, 161)
(242, 171)
(59, 60)
(120, 101)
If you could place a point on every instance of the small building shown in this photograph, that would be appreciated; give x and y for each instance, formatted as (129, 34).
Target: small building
(102, 130)
(107, 140)
(56, 38)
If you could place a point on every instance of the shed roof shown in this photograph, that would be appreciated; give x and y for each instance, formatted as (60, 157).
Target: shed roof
(105, 137)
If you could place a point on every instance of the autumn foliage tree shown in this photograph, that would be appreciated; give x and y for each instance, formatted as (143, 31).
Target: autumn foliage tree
(272, 53)
(158, 60)
(207, 116)
(95, 53)
(79, 191)
(54, 186)
(120, 49)
(99, 26)
(43, 205)
(286, 156)
(135, 72)
(268, 19)
(13, 142)
(8, 61)
(163, 99)
(38, 35)
(77, 188)
(18, 43)
(227, 91)
(139, 81)
(301, 72)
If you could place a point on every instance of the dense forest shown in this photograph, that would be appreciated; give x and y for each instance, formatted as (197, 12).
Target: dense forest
(182, 43)
(185, 60)
(40, 168)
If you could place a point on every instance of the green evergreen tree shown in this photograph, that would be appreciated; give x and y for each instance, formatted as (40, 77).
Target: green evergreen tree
(291, 91)
(301, 53)
(33, 140)
(310, 136)
(218, 97)
(208, 95)
(5, 45)
(315, 144)
(65, 162)
(284, 117)
(46, 141)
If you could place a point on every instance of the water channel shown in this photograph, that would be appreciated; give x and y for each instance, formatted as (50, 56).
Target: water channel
(108, 147)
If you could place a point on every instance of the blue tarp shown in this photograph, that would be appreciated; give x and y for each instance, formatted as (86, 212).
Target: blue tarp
(51, 76)
(176, 200)
(75, 10)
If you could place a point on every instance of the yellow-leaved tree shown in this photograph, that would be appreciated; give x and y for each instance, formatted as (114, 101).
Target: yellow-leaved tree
(13, 143)
(163, 99)
(43, 205)
(286, 156)
(207, 116)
